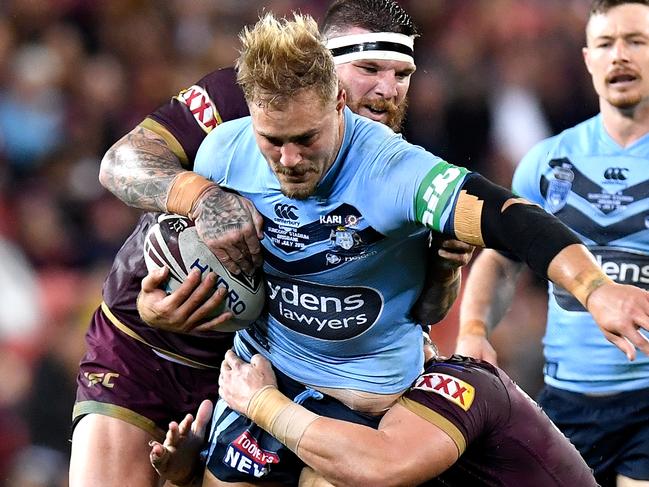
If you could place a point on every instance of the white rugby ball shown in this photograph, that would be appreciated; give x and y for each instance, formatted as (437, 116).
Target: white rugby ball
(173, 242)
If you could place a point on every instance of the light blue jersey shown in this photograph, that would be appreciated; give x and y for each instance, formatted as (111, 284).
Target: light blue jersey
(343, 267)
(601, 191)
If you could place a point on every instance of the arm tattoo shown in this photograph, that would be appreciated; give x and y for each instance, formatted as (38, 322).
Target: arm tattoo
(139, 168)
(436, 300)
(222, 212)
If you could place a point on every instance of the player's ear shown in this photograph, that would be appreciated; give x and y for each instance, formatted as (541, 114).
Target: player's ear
(341, 99)
(585, 53)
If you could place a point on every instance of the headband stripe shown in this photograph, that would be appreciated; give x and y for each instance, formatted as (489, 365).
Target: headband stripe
(373, 46)
(390, 46)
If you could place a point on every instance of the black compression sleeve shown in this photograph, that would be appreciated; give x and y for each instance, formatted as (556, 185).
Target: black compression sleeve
(525, 230)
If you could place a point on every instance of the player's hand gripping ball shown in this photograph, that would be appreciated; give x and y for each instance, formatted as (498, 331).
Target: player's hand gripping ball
(173, 242)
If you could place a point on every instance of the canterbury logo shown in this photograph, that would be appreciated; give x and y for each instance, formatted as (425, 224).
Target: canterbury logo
(285, 211)
(105, 379)
(616, 173)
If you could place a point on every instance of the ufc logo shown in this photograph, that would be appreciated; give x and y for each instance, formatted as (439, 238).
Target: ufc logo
(285, 211)
(616, 173)
(103, 378)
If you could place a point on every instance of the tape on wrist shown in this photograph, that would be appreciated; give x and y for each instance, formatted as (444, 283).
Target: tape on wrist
(586, 282)
(185, 191)
(473, 327)
(279, 416)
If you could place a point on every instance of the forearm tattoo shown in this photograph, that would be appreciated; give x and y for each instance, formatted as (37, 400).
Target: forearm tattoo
(139, 168)
(221, 212)
(436, 300)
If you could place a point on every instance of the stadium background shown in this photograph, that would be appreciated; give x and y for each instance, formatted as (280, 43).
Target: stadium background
(494, 77)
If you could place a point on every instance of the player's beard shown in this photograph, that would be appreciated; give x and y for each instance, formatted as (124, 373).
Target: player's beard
(395, 114)
(626, 101)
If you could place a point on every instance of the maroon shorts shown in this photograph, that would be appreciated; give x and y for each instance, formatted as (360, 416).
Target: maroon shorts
(125, 379)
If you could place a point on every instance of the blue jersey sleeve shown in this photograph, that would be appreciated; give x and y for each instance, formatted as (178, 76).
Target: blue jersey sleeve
(416, 187)
(210, 161)
(527, 175)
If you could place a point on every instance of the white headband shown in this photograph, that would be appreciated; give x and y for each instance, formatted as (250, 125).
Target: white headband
(372, 45)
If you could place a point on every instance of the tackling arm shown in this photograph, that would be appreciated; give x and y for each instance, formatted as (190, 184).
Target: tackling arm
(488, 294)
(142, 170)
(346, 454)
(139, 169)
(352, 455)
(443, 279)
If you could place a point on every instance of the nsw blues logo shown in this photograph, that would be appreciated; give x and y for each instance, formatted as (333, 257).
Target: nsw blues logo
(560, 186)
(345, 238)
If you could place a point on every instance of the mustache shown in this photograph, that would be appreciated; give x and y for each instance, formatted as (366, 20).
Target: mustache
(380, 104)
(621, 72)
(396, 113)
(284, 171)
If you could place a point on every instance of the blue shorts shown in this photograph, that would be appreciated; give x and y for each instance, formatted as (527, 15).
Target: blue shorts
(611, 432)
(240, 451)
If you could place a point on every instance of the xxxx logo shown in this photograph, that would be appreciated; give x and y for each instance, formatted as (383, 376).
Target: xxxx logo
(103, 378)
(201, 107)
(455, 390)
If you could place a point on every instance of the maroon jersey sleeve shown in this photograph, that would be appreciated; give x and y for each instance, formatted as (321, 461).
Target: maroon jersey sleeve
(188, 117)
(459, 396)
(502, 436)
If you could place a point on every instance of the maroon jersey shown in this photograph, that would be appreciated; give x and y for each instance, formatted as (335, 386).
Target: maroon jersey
(183, 122)
(503, 436)
(194, 112)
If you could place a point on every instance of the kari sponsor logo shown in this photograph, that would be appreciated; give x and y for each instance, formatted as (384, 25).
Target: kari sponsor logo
(245, 455)
(455, 390)
(320, 311)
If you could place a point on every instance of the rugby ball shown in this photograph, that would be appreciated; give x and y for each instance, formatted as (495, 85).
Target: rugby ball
(173, 242)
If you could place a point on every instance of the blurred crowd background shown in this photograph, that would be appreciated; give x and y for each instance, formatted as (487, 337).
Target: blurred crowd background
(493, 78)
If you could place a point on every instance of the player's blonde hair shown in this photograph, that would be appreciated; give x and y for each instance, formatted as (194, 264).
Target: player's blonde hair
(281, 57)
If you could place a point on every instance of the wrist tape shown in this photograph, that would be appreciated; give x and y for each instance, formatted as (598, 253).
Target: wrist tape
(586, 282)
(184, 192)
(279, 416)
(473, 327)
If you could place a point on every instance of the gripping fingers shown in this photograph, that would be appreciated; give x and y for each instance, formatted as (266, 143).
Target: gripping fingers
(180, 296)
(254, 247)
(214, 323)
(154, 279)
(203, 302)
(228, 260)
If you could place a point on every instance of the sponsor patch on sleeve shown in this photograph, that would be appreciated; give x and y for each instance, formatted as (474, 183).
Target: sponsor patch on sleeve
(435, 191)
(455, 390)
(201, 107)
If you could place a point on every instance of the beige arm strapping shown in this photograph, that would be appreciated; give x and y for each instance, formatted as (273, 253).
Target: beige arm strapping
(281, 417)
(184, 192)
